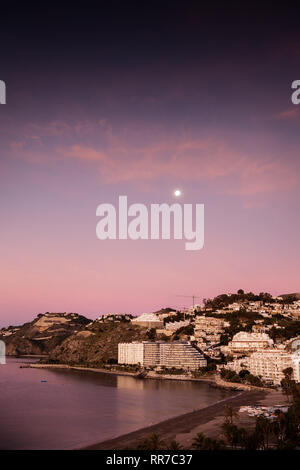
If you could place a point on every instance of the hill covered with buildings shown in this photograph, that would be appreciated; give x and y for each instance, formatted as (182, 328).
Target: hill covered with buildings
(243, 333)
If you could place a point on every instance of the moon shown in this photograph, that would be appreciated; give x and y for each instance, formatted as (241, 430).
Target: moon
(177, 193)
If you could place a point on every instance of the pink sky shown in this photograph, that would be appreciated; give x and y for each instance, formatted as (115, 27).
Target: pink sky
(52, 260)
(219, 127)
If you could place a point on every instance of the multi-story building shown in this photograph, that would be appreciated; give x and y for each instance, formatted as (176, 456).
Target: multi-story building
(248, 342)
(178, 354)
(148, 320)
(269, 364)
(182, 355)
(175, 325)
(151, 353)
(131, 353)
(208, 329)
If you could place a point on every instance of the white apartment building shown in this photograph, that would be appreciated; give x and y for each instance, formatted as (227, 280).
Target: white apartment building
(131, 353)
(247, 342)
(148, 320)
(179, 354)
(209, 329)
(175, 325)
(151, 353)
(269, 364)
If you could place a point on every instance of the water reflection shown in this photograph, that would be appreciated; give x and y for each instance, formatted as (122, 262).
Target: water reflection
(61, 409)
(152, 384)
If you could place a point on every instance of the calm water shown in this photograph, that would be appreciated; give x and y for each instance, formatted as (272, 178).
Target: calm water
(74, 408)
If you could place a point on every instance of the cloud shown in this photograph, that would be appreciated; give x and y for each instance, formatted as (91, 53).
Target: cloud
(141, 156)
(258, 177)
(289, 114)
(191, 160)
(85, 153)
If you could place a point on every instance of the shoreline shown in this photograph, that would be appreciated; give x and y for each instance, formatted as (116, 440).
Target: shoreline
(182, 378)
(182, 424)
(214, 380)
(80, 368)
(182, 428)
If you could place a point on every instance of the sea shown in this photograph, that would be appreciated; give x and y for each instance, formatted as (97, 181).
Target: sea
(68, 409)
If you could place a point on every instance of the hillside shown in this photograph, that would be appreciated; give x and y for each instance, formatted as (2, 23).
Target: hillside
(294, 295)
(96, 344)
(165, 310)
(70, 338)
(43, 334)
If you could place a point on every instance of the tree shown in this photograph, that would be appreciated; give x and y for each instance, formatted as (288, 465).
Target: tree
(263, 430)
(243, 373)
(279, 428)
(240, 292)
(153, 442)
(287, 383)
(151, 334)
(254, 380)
(230, 375)
(201, 442)
(293, 423)
(185, 330)
(235, 436)
(224, 339)
(229, 414)
(174, 445)
(250, 440)
(112, 360)
(288, 372)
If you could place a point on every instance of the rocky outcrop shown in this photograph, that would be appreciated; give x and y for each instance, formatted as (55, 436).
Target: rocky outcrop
(43, 334)
(69, 338)
(98, 347)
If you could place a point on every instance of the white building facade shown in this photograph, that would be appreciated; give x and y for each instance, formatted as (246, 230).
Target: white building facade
(247, 342)
(178, 354)
(131, 353)
(148, 320)
(269, 364)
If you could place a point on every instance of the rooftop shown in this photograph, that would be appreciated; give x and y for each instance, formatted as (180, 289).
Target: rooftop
(147, 317)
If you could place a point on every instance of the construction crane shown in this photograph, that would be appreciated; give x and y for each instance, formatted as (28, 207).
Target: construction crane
(193, 297)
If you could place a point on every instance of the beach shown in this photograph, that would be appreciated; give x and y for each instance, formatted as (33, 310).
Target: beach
(184, 424)
(213, 379)
(61, 408)
(184, 428)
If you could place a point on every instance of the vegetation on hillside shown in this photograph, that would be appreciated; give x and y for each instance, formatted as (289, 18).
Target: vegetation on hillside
(99, 347)
(224, 300)
(43, 334)
(243, 377)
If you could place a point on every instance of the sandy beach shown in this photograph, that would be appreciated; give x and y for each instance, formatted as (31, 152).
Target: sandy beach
(184, 428)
